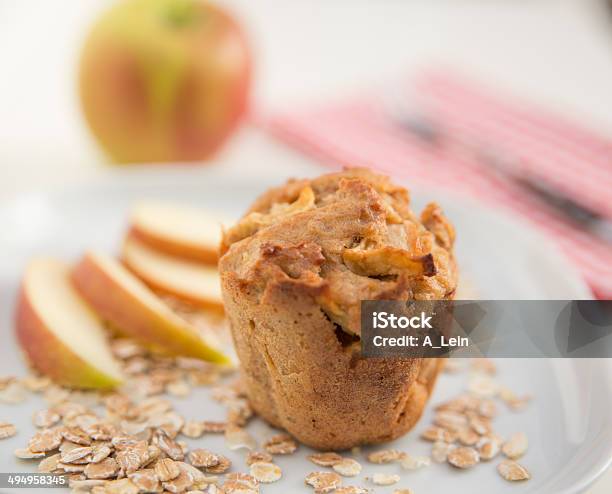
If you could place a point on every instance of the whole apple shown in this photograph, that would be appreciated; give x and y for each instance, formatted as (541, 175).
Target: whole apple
(164, 80)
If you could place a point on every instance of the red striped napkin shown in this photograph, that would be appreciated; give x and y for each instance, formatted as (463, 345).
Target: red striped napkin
(362, 132)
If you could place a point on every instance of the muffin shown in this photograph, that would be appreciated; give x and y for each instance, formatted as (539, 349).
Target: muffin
(293, 272)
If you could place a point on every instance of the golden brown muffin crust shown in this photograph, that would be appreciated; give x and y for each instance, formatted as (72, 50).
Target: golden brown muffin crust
(351, 233)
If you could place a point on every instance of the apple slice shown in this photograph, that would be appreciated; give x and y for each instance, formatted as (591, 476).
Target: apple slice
(190, 281)
(59, 333)
(178, 230)
(129, 305)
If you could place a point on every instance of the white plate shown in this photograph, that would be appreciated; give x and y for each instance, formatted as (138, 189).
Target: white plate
(569, 423)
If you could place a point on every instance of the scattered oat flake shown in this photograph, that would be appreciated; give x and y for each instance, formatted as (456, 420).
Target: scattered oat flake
(410, 462)
(440, 451)
(328, 459)
(46, 418)
(347, 467)
(237, 438)
(488, 448)
(435, 433)
(323, 481)
(76, 435)
(7, 430)
(487, 408)
(516, 446)
(385, 456)
(68, 446)
(169, 421)
(146, 480)
(105, 469)
(455, 405)
(385, 479)
(184, 446)
(76, 454)
(266, 472)
(101, 431)
(200, 480)
(214, 427)
(468, 437)
(132, 458)
(463, 457)
(26, 454)
(166, 469)
(280, 444)
(518, 404)
(46, 440)
(49, 464)
(221, 467)
(480, 425)
(243, 478)
(100, 452)
(168, 445)
(193, 429)
(448, 419)
(239, 412)
(484, 366)
(153, 454)
(514, 402)
(13, 393)
(202, 458)
(483, 386)
(180, 483)
(403, 491)
(178, 388)
(258, 456)
(123, 441)
(510, 470)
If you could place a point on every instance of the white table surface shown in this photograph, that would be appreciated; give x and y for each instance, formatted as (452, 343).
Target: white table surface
(555, 52)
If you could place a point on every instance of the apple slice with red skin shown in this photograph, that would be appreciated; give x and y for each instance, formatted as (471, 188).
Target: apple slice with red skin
(195, 283)
(59, 333)
(180, 231)
(123, 300)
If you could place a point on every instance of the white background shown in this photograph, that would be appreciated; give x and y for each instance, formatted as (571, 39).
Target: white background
(555, 52)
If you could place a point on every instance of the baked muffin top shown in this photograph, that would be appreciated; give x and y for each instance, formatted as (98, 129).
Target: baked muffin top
(342, 238)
